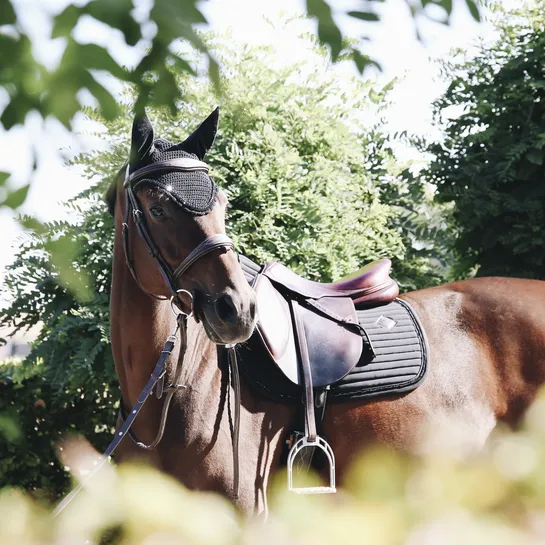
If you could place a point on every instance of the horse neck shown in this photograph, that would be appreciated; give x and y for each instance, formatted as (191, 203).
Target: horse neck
(139, 328)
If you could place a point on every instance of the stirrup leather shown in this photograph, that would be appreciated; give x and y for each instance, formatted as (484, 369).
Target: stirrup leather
(311, 439)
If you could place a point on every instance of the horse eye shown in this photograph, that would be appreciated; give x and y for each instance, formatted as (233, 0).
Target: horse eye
(157, 212)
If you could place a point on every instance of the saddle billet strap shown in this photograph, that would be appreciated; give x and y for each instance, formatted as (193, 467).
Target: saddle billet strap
(351, 326)
(125, 428)
(308, 395)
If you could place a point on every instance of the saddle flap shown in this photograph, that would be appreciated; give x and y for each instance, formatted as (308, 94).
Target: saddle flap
(333, 349)
(275, 327)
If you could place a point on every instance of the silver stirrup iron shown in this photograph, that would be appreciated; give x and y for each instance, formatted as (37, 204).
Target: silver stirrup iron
(302, 444)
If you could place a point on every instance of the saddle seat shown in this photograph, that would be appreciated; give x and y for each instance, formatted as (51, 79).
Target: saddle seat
(368, 287)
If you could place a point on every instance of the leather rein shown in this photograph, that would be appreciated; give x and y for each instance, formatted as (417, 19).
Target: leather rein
(172, 279)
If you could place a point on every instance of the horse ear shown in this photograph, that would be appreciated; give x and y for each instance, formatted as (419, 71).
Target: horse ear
(142, 138)
(201, 140)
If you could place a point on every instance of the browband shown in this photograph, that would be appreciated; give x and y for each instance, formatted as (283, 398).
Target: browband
(181, 164)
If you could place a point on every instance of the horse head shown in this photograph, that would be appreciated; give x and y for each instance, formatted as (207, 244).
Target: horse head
(179, 213)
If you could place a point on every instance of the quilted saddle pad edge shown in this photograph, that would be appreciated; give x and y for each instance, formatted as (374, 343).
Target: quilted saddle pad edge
(401, 387)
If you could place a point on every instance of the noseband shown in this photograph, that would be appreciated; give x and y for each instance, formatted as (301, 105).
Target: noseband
(172, 277)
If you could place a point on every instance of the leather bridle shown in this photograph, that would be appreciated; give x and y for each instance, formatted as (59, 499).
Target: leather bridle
(172, 277)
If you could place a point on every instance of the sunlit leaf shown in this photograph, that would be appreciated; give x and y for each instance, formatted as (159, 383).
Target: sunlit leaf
(16, 110)
(446, 5)
(363, 61)
(183, 65)
(174, 15)
(108, 105)
(95, 57)
(9, 429)
(116, 14)
(16, 198)
(63, 254)
(214, 74)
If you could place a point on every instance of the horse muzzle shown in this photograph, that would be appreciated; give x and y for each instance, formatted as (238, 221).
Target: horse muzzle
(229, 317)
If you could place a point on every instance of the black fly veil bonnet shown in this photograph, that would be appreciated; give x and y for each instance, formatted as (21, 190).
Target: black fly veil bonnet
(194, 191)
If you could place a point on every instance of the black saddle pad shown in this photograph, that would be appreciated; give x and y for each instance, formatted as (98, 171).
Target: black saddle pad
(401, 354)
(399, 364)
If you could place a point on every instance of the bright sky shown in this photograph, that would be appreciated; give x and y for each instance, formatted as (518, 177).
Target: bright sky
(393, 44)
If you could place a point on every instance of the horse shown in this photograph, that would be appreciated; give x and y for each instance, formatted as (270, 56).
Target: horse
(486, 342)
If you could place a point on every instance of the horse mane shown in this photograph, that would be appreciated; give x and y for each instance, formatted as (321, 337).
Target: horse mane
(111, 192)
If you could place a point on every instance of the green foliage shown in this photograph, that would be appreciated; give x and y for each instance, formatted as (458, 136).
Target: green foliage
(32, 87)
(67, 383)
(495, 497)
(310, 181)
(491, 163)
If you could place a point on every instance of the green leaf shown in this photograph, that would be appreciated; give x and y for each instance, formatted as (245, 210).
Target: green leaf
(474, 10)
(535, 156)
(16, 110)
(364, 16)
(363, 61)
(3, 177)
(108, 105)
(116, 14)
(9, 429)
(7, 13)
(214, 74)
(447, 5)
(95, 57)
(183, 65)
(64, 22)
(328, 32)
(16, 198)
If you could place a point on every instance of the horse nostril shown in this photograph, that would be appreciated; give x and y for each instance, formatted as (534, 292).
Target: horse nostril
(225, 308)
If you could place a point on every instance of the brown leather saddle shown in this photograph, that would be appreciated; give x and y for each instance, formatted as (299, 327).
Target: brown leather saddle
(312, 334)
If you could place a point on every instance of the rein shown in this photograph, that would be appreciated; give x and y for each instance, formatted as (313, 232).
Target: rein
(172, 278)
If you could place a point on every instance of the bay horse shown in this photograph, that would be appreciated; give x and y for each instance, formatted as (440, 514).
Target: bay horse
(486, 341)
